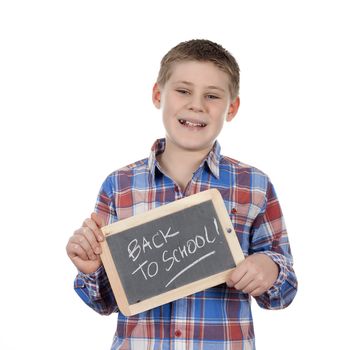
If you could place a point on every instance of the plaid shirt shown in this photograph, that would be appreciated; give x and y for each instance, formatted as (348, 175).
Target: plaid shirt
(218, 318)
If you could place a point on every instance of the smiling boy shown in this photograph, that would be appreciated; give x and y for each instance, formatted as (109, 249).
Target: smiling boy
(197, 91)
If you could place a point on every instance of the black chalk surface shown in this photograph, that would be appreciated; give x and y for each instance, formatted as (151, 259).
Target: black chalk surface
(170, 252)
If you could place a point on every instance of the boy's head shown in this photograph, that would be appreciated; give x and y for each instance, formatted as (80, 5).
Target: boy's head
(197, 91)
(202, 51)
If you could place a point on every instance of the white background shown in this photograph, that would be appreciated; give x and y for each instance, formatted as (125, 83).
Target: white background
(75, 104)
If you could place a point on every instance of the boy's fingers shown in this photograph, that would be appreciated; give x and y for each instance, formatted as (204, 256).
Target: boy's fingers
(86, 240)
(84, 243)
(98, 220)
(244, 282)
(257, 292)
(75, 250)
(91, 239)
(229, 283)
(95, 228)
(251, 287)
(237, 274)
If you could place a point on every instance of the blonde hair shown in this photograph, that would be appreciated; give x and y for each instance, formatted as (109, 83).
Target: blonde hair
(203, 51)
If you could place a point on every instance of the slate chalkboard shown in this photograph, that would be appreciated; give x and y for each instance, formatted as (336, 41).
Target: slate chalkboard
(152, 257)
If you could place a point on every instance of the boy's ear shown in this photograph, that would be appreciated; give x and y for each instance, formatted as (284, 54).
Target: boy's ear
(233, 109)
(156, 95)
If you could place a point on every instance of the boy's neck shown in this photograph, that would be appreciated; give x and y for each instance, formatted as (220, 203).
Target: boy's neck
(180, 164)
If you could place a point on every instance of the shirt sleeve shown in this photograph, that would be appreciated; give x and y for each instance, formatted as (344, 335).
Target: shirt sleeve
(105, 204)
(269, 236)
(94, 289)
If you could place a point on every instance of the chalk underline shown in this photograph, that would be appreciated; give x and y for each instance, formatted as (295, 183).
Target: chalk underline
(189, 266)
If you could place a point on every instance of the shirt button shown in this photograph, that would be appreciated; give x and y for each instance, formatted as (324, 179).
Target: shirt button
(178, 333)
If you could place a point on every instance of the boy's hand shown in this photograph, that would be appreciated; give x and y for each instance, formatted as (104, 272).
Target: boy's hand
(84, 247)
(255, 275)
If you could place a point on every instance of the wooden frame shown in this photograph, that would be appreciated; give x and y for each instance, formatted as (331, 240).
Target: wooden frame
(193, 287)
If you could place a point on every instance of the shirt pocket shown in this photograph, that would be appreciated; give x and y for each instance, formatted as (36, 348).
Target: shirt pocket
(242, 217)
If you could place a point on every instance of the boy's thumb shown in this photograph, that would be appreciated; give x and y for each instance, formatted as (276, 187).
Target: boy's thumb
(100, 222)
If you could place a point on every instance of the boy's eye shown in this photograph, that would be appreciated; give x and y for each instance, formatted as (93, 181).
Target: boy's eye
(182, 91)
(212, 97)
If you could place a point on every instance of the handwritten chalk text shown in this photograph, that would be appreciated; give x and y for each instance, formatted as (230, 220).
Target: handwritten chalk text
(138, 248)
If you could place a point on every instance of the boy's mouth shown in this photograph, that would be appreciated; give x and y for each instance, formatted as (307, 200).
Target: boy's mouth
(192, 124)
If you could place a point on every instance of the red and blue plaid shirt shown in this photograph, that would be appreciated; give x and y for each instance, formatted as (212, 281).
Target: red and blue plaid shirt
(218, 318)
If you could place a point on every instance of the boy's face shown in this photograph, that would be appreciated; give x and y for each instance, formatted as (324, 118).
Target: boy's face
(195, 102)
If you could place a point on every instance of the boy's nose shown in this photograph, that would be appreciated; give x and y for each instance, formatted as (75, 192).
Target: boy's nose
(196, 104)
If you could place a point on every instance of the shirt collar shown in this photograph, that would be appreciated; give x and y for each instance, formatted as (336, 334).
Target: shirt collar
(212, 159)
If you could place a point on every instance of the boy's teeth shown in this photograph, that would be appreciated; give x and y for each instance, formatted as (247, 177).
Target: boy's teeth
(185, 122)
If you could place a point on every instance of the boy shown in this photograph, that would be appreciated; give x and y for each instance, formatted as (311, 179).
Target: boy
(197, 91)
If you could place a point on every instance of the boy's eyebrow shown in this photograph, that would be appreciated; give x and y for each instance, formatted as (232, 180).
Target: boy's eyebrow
(212, 87)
